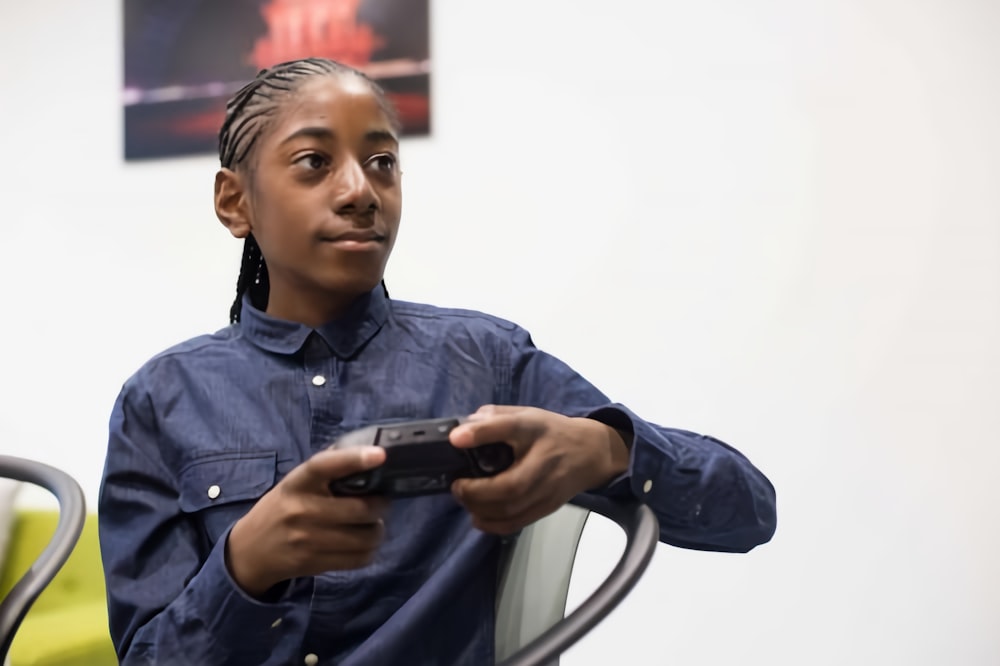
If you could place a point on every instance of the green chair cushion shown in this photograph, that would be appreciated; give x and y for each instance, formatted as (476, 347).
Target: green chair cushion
(80, 579)
(68, 623)
(72, 636)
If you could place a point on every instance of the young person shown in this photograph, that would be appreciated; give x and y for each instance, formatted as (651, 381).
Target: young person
(221, 541)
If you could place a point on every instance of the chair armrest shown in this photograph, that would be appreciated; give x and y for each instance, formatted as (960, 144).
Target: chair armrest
(641, 534)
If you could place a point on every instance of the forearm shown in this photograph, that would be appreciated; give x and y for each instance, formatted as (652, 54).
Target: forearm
(213, 621)
(170, 597)
(705, 494)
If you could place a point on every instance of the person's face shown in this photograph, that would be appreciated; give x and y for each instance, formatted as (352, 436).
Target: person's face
(324, 199)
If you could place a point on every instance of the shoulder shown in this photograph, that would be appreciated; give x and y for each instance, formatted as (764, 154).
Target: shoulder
(187, 357)
(406, 312)
(468, 333)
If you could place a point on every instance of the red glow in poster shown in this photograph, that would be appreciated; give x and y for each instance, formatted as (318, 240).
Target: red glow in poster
(185, 58)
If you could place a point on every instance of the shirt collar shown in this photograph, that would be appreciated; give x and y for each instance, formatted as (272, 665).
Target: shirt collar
(345, 335)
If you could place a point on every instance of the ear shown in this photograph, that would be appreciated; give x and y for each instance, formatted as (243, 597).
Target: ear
(231, 205)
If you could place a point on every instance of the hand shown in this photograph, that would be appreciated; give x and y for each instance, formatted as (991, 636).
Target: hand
(555, 458)
(298, 528)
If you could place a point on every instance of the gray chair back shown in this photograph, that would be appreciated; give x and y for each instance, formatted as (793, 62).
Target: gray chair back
(534, 579)
(531, 629)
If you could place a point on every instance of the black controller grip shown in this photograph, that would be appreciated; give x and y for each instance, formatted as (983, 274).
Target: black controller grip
(419, 459)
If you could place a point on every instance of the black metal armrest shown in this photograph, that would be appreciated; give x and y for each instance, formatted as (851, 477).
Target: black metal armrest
(72, 512)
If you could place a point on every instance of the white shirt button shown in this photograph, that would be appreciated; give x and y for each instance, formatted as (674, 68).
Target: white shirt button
(319, 380)
(311, 659)
(214, 491)
(276, 623)
(646, 487)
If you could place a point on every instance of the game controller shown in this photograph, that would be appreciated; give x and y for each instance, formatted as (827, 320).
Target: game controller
(419, 459)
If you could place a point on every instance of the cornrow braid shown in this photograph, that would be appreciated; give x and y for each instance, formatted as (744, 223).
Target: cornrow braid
(248, 115)
(253, 278)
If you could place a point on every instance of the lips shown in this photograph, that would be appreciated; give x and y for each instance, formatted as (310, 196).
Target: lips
(355, 236)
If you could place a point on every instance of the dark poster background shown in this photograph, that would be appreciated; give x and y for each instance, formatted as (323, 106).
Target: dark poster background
(185, 58)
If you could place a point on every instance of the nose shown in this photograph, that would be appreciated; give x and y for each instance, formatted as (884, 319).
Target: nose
(353, 193)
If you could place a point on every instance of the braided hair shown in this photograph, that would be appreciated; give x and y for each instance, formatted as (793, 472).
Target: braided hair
(248, 116)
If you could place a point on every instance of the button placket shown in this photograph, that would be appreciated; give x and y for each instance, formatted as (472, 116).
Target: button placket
(321, 368)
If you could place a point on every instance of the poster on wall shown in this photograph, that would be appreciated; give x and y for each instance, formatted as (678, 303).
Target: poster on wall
(185, 58)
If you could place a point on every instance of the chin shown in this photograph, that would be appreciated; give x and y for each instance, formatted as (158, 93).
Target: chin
(356, 285)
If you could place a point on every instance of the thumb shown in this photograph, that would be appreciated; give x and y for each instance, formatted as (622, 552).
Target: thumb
(317, 472)
(488, 410)
(508, 425)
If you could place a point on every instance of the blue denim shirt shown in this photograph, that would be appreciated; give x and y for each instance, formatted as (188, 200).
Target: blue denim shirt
(202, 430)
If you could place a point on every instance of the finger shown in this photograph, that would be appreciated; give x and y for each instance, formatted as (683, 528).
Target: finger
(350, 547)
(486, 411)
(324, 520)
(316, 473)
(349, 539)
(505, 495)
(517, 486)
(493, 410)
(511, 427)
(329, 509)
(504, 510)
(512, 524)
(347, 561)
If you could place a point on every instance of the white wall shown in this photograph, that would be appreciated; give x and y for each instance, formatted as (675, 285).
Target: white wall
(775, 221)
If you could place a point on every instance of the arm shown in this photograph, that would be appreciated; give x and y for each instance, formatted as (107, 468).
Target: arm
(706, 495)
(174, 595)
(171, 598)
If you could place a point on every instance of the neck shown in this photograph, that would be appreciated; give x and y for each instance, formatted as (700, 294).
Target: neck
(311, 309)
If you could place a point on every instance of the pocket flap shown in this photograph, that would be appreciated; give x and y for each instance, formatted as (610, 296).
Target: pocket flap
(226, 477)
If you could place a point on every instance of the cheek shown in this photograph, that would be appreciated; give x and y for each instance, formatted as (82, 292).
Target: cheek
(285, 220)
(392, 207)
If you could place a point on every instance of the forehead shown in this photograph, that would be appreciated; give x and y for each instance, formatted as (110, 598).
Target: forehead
(342, 103)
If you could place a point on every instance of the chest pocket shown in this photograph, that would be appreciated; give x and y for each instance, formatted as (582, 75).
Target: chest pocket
(220, 489)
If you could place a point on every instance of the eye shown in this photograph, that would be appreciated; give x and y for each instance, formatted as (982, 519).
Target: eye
(384, 162)
(313, 161)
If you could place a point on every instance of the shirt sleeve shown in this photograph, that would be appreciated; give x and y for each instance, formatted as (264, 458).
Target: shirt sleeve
(706, 495)
(171, 599)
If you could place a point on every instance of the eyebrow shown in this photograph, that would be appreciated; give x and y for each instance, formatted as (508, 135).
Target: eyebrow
(314, 132)
(378, 136)
(371, 136)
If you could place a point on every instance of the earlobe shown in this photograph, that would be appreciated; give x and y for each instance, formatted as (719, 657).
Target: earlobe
(231, 203)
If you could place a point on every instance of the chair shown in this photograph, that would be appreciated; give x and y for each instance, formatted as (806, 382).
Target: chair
(72, 512)
(535, 575)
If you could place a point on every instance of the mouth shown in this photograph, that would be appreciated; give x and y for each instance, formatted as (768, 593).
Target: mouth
(355, 239)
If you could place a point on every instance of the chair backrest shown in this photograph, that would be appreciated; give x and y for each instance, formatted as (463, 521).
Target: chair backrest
(72, 513)
(535, 575)
(534, 579)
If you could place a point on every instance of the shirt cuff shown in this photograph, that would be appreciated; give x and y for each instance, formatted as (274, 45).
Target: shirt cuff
(238, 621)
(636, 481)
